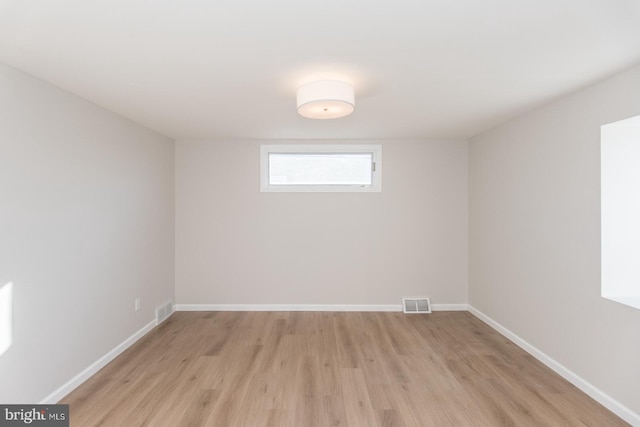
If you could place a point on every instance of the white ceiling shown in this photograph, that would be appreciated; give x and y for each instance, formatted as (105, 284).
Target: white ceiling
(230, 68)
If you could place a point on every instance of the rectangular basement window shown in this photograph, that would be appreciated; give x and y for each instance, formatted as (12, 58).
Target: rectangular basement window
(320, 168)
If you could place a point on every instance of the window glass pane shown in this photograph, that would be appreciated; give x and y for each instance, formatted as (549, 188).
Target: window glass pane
(320, 168)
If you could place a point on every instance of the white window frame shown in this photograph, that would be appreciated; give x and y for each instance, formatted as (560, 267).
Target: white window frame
(376, 175)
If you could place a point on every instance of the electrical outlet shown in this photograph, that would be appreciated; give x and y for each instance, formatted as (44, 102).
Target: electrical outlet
(136, 304)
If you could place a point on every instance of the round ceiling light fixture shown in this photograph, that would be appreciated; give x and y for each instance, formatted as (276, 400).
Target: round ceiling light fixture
(325, 99)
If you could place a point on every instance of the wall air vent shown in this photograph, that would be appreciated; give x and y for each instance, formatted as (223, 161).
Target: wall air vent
(163, 312)
(416, 305)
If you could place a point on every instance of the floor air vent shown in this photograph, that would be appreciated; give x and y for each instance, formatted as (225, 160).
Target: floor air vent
(416, 305)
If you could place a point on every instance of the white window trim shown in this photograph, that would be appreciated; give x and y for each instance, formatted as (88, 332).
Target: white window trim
(375, 187)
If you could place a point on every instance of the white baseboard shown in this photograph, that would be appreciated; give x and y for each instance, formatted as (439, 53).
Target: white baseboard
(598, 395)
(74, 382)
(310, 307)
(449, 307)
(286, 307)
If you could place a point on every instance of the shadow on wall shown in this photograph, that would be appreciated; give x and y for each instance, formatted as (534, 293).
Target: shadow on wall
(6, 315)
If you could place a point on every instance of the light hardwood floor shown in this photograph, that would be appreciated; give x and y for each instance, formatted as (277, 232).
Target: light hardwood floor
(329, 369)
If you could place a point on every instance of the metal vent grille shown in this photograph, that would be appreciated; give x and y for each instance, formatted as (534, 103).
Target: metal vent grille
(163, 312)
(416, 305)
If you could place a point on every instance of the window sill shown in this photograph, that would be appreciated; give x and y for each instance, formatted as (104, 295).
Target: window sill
(630, 301)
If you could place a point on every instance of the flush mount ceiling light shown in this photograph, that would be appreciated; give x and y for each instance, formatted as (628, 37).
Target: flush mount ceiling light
(325, 99)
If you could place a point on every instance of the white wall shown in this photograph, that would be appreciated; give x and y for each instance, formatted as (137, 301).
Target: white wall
(86, 225)
(236, 245)
(534, 186)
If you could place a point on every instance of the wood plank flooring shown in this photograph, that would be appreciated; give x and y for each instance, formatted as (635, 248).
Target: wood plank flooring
(329, 369)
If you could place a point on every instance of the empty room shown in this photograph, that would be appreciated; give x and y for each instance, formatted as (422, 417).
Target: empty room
(344, 213)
